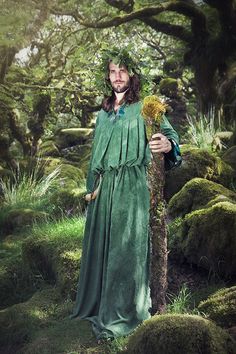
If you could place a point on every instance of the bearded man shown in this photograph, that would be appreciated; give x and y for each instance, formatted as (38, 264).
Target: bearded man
(113, 291)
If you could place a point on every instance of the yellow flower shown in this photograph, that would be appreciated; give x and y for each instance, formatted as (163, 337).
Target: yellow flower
(153, 108)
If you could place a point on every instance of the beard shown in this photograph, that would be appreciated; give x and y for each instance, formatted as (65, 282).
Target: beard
(119, 88)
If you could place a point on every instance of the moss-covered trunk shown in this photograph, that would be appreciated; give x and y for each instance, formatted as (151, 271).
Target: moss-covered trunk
(158, 234)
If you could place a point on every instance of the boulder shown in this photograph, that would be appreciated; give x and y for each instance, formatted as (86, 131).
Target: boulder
(15, 281)
(70, 176)
(230, 157)
(18, 322)
(77, 153)
(72, 136)
(179, 334)
(221, 307)
(70, 201)
(18, 218)
(197, 163)
(48, 148)
(54, 251)
(206, 237)
(42, 325)
(196, 194)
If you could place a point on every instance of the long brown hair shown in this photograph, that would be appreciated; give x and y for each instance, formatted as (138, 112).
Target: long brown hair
(131, 95)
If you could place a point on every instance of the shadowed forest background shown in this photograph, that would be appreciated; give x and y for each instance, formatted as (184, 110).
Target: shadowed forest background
(50, 92)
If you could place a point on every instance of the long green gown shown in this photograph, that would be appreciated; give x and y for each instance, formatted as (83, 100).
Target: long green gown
(113, 290)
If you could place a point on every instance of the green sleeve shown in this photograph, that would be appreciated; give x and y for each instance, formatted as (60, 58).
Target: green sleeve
(91, 176)
(172, 158)
(168, 130)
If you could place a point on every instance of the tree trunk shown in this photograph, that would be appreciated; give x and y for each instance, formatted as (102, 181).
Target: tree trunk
(158, 234)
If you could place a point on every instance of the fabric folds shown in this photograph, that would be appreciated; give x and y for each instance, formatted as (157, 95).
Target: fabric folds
(113, 290)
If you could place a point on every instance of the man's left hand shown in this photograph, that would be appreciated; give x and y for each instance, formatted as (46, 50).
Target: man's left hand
(159, 143)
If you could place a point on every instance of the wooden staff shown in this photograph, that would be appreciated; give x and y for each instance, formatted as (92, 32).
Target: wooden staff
(152, 111)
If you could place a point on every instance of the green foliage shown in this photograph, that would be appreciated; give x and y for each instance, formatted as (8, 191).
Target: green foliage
(119, 56)
(15, 17)
(64, 229)
(179, 303)
(28, 189)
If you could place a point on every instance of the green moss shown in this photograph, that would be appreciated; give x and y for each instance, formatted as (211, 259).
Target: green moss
(170, 87)
(53, 252)
(72, 136)
(178, 334)
(16, 219)
(15, 279)
(42, 326)
(48, 148)
(198, 163)
(230, 156)
(69, 177)
(69, 201)
(206, 237)
(198, 193)
(221, 307)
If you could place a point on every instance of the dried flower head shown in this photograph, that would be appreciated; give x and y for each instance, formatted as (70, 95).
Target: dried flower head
(153, 108)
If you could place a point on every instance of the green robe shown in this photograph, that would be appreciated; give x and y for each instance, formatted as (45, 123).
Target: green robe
(113, 291)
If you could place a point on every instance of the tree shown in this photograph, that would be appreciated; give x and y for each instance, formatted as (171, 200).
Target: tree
(208, 31)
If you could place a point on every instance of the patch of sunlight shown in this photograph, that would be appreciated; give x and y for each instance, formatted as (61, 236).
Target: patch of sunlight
(39, 314)
(72, 255)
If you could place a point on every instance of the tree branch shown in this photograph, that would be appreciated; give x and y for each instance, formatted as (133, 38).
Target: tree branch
(146, 15)
(173, 30)
(227, 14)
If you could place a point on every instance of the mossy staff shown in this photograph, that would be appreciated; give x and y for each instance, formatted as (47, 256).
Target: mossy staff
(113, 291)
(153, 111)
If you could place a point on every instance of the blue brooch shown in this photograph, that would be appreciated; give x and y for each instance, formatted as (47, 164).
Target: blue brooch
(114, 116)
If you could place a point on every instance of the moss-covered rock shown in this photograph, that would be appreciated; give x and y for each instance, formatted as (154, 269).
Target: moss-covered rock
(230, 157)
(179, 334)
(42, 326)
(206, 237)
(72, 136)
(19, 321)
(48, 148)
(15, 280)
(17, 219)
(53, 252)
(69, 201)
(170, 87)
(70, 176)
(78, 153)
(221, 307)
(198, 193)
(198, 163)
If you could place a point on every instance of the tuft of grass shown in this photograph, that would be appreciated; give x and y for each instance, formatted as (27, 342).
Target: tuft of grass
(179, 303)
(203, 129)
(28, 189)
(65, 228)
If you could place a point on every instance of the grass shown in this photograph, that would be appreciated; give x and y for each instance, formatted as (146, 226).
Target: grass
(28, 189)
(179, 303)
(56, 244)
(65, 228)
(202, 130)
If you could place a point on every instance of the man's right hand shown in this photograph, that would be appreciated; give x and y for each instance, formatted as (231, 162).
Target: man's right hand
(90, 196)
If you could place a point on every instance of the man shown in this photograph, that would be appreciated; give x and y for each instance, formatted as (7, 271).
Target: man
(113, 291)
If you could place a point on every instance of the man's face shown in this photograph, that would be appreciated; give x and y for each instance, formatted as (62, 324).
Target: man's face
(119, 77)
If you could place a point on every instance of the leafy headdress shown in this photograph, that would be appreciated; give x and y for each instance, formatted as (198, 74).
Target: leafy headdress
(121, 57)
